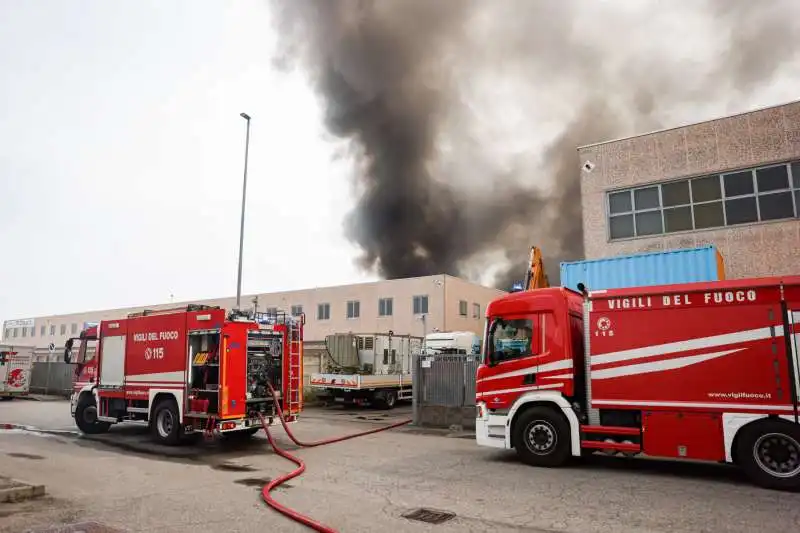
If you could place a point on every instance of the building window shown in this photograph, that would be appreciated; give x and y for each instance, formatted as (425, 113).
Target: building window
(385, 307)
(24, 332)
(273, 311)
(462, 307)
(421, 305)
(74, 329)
(297, 310)
(16, 332)
(323, 311)
(42, 331)
(476, 310)
(741, 197)
(8, 334)
(353, 309)
(52, 330)
(33, 331)
(63, 329)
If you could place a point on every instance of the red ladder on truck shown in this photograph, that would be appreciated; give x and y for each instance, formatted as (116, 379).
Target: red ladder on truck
(295, 344)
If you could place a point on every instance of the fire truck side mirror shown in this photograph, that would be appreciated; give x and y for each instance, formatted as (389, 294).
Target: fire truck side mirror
(68, 351)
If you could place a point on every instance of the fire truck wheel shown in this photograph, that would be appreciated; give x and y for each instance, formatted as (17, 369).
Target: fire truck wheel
(541, 437)
(166, 426)
(769, 453)
(86, 416)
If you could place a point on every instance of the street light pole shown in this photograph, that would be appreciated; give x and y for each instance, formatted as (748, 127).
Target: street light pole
(244, 198)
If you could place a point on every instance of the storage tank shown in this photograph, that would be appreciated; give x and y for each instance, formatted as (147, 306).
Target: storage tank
(683, 265)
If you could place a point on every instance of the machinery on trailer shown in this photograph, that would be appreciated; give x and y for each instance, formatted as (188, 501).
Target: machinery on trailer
(16, 364)
(373, 368)
(452, 342)
(188, 370)
(705, 371)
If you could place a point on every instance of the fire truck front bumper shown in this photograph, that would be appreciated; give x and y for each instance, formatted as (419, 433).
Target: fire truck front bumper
(491, 430)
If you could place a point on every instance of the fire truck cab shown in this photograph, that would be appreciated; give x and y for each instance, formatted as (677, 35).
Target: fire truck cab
(703, 371)
(187, 370)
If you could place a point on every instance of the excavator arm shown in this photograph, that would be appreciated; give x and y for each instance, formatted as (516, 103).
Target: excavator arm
(536, 278)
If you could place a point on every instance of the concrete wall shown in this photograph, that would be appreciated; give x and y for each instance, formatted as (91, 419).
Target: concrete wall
(443, 293)
(743, 141)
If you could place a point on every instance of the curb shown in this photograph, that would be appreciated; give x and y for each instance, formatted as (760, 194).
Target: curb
(19, 491)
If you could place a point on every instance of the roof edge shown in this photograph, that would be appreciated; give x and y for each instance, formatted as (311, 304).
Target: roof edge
(689, 124)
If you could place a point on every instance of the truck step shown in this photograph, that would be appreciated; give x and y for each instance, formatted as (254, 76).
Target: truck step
(611, 430)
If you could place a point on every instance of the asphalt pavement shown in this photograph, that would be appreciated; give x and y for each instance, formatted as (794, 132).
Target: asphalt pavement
(366, 484)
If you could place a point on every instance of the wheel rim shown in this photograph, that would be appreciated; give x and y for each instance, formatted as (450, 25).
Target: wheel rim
(90, 414)
(390, 400)
(541, 437)
(164, 423)
(778, 454)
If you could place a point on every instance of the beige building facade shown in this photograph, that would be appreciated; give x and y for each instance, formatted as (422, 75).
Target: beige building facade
(447, 303)
(732, 182)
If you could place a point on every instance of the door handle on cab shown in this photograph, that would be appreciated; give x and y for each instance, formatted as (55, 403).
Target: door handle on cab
(529, 379)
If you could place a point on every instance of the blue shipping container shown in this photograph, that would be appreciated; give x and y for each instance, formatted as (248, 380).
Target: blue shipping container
(686, 265)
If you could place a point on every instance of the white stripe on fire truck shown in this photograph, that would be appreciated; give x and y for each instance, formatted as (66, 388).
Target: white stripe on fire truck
(564, 364)
(714, 341)
(727, 406)
(162, 377)
(519, 389)
(658, 366)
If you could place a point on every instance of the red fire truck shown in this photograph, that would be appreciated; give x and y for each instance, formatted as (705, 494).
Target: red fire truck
(703, 371)
(188, 370)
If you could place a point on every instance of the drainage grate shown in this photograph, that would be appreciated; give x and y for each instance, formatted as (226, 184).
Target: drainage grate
(430, 516)
(83, 527)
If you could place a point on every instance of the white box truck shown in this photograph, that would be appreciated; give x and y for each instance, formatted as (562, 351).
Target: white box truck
(16, 363)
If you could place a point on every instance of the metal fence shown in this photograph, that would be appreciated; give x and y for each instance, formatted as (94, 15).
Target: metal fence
(444, 389)
(52, 378)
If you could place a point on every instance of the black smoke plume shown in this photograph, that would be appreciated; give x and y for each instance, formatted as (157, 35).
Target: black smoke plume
(438, 97)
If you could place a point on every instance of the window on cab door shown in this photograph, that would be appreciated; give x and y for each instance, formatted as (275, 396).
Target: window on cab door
(511, 338)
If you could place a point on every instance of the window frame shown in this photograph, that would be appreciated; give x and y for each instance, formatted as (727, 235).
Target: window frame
(353, 309)
(386, 306)
(422, 298)
(793, 189)
(326, 306)
(535, 344)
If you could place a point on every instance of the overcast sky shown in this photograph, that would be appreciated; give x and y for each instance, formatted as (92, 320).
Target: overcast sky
(121, 158)
(121, 148)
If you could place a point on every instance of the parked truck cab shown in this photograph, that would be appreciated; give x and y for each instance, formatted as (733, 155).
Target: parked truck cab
(705, 371)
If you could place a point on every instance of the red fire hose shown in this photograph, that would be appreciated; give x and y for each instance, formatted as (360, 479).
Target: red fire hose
(301, 466)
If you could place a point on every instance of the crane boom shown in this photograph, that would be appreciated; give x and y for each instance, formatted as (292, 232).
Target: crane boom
(536, 278)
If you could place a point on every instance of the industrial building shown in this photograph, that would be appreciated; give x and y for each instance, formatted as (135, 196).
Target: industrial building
(732, 182)
(410, 306)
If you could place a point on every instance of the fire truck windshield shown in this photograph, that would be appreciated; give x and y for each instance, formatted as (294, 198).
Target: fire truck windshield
(510, 339)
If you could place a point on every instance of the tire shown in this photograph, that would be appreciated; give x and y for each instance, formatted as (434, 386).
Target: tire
(166, 427)
(385, 399)
(541, 437)
(86, 416)
(769, 453)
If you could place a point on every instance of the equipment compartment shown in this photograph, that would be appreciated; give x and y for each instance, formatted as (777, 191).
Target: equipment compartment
(205, 371)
